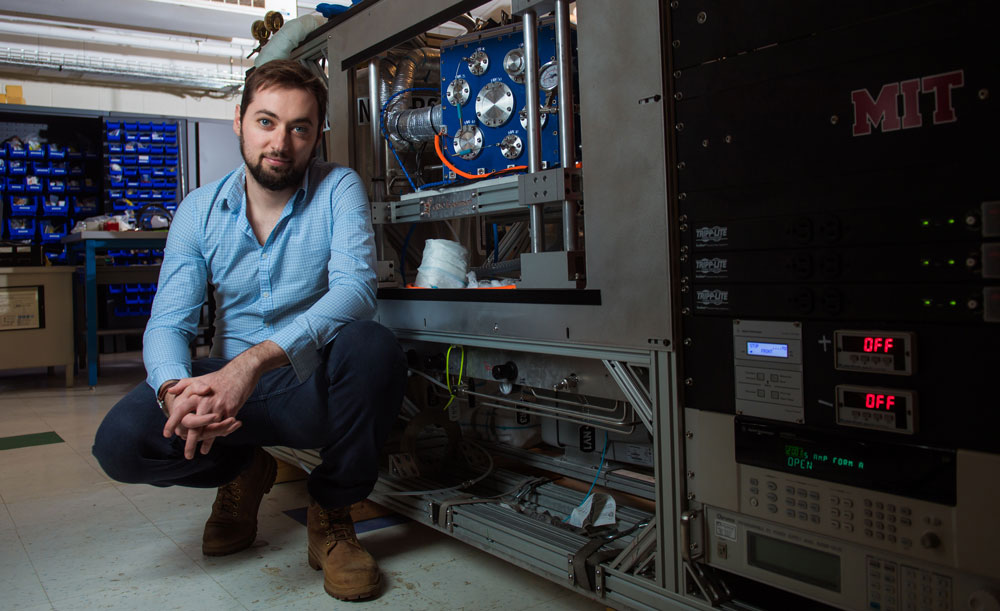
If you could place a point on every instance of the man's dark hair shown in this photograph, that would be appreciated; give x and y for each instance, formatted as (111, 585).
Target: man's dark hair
(288, 74)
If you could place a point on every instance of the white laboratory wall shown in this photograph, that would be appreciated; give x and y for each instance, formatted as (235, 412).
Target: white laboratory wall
(111, 98)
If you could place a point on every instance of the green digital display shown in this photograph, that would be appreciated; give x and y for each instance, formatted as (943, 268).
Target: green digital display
(797, 457)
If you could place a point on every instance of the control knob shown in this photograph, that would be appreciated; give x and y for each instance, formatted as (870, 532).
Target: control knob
(930, 540)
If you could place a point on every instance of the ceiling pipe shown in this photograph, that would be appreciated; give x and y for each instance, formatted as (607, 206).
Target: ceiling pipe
(121, 38)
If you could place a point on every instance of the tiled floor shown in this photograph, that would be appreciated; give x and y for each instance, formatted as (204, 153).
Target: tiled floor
(72, 539)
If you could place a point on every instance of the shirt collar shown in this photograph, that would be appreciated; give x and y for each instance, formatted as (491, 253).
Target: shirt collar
(235, 193)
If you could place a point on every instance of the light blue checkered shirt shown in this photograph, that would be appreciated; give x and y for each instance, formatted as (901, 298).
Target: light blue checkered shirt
(314, 274)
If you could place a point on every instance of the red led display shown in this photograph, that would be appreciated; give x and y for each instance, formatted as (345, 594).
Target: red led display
(877, 344)
(879, 401)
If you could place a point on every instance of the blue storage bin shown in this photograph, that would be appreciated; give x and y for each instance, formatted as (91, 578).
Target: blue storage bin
(3, 184)
(116, 193)
(59, 169)
(130, 159)
(145, 127)
(155, 150)
(131, 147)
(15, 185)
(75, 169)
(131, 183)
(129, 126)
(54, 205)
(115, 160)
(57, 186)
(55, 151)
(52, 232)
(16, 152)
(57, 257)
(113, 124)
(157, 127)
(32, 184)
(21, 228)
(3, 166)
(131, 137)
(3, 150)
(85, 205)
(143, 149)
(170, 139)
(41, 168)
(143, 159)
(17, 167)
(72, 153)
(114, 148)
(117, 183)
(73, 185)
(145, 138)
(170, 128)
(38, 153)
(171, 206)
(158, 137)
(23, 205)
(133, 288)
(114, 289)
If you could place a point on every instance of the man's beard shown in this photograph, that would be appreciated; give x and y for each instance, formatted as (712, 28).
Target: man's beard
(274, 179)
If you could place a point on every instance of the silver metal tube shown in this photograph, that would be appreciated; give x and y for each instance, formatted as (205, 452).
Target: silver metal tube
(416, 124)
(567, 139)
(530, 27)
(378, 143)
(378, 155)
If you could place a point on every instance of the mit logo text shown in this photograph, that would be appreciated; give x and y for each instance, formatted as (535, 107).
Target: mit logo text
(870, 113)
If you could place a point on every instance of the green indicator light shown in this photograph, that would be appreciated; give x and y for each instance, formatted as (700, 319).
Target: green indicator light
(925, 223)
(925, 262)
(951, 261)
(951, 221)
(953, 303)
(927, 302)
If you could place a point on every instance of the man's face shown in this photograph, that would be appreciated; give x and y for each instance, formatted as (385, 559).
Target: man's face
(278, 136)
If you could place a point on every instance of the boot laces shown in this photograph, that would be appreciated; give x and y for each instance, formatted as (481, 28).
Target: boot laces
(229, 498)
(337, 525)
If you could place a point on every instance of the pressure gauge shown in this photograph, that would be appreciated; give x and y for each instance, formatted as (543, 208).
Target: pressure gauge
(478, 62)
(458, 92)
(548, 76)
(468, 142)
(494, 104)
(511, 146)
(513, 65)
(542, 118)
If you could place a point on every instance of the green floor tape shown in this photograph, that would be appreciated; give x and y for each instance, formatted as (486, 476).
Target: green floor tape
(24, 441)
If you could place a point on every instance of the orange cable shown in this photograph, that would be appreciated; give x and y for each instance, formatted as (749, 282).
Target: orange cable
(444, 160)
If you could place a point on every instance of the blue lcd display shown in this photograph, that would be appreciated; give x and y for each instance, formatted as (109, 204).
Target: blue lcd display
(777, 351)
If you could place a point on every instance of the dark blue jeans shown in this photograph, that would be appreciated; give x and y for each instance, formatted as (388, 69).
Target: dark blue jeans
(345, 409)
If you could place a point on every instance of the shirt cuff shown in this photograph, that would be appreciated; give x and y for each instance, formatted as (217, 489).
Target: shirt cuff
(303, 356)
(164, 373)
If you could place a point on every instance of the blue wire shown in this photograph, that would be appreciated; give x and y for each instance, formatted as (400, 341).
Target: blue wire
(496, 244)
(402, 257)
(385, 133)
(436, 184)
(594, 483)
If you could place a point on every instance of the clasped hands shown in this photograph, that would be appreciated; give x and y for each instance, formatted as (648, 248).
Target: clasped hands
(203, 408)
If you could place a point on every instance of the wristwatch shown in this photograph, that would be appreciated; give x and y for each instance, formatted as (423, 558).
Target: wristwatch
(162, 394)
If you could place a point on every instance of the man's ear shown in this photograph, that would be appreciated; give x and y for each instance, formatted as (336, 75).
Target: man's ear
(237, 127)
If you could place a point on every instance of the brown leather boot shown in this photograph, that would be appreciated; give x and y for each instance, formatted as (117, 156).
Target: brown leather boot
(349, 572)
(233, 524)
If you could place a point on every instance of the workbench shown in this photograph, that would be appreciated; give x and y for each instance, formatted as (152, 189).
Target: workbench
(89, 242)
